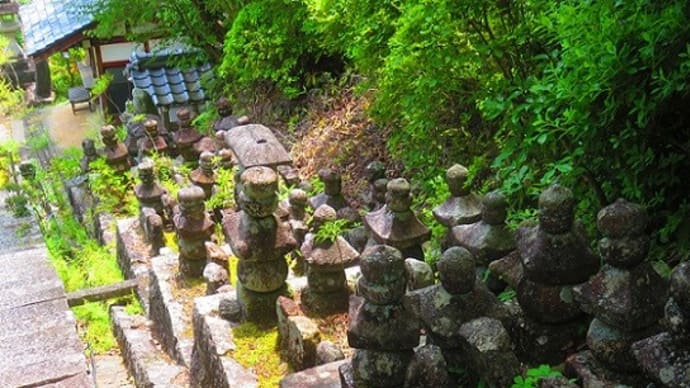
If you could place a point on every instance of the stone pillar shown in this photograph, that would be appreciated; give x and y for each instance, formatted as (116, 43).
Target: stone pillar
(193, 227)
(395, 224)
(326, 290)
(186, 136)
(152, 142)
(332, 195)
(626, 298)
(260, 241)
(204, 176)
(462, 207)
(461, 298)
(665, 357)
(374, 171)
(555, 256)
(489, 239)
(116, 155)
(382, 330)
(90, 154)
(44, 88)
(148, 191)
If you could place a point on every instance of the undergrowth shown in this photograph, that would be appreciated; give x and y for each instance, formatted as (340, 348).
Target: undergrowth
(256, 348)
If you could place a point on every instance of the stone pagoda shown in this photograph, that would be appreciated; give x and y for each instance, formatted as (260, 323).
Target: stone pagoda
(395, 224)
(260, 241)
(462, 207)
(555, 256)
(193, 228)
(116, 155)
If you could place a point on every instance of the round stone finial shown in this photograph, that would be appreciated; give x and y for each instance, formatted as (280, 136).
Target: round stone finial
(146, 167)
(223, 106)
(680, 286)
(183, 115)
(375, 170)
(398, 196)
(259, 182)
(622, 219)
(298, 197)
(494, 207)
(331, 181)
(556, 209)
(456, 270)
(382, 264)
(324, 213)
(380, 187)
(107, 132)
(206, 158)
(89, 147)
(456, 176)
(151, 127)
(190, 196)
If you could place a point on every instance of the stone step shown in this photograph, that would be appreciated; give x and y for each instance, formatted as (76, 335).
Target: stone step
(149, 365)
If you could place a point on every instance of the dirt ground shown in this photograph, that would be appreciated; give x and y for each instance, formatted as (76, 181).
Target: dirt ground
(68, 129)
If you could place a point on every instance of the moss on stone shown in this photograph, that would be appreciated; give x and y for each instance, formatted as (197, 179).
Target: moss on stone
(256, 348)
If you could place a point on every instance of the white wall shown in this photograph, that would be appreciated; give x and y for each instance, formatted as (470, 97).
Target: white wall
(116, 52)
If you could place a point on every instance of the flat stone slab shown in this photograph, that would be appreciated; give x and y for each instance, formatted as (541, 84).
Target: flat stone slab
(133, 256)
(212, 365)
(39, 345)
(322, 376)
(173, 326)
(256, 145)
(145, 360)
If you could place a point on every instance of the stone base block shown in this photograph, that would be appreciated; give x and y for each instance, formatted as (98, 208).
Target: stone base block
(147, 363)
(539, 343)
(134, 256)
(259, 307)
(592, 373)
(322, 376)
(324, 304)
(508, 269)
(173, 326)
(611, 346)
(665, 359)
(212, 365)
(298, 335)
(373, 368)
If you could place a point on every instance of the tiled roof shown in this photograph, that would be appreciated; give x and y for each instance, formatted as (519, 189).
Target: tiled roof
(167, 84)
(46, 23)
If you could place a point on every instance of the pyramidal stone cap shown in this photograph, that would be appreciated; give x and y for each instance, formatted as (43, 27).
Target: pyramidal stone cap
(325, 213)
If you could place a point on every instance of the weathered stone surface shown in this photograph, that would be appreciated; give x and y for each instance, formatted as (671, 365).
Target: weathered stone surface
(332, 195)
(147, 363)
(322, 376)
(303, 337)
(419, 274)
(552, 304)
(556, 382)
(193, 228)
(186, 136)
(212, 362)
(380, 368)
(229, 308)
(490, 351)
(116, 154)
(38, 340)
(395, 224)
(556, 258)
(611, 345)
(428, 368)
(204, 176)
(556, 209)
(664, 359)
(508, 269)
(594, 375)
(462, 207)
(628, 299)
(134, 256)
(152, 142)
(167, 314)
(255, 145)
(327, 352)
(149, 192)
(215, 276)
(227, 121)
(542, 343)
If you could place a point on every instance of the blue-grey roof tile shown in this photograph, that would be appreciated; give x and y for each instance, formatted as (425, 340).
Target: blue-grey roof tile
(46, 23)
(167, 84)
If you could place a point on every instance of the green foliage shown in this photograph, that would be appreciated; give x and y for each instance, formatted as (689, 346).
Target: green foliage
(224, 194)
(330, 230)
(17, 204)
(112, 189)
(603, 113)
(533, 376)
(507, 295)
(267, 43)
(256, 347)
(64, 72)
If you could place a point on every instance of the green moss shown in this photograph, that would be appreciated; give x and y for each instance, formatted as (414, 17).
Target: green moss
(257, 349)
(232, 269)
(94, 323)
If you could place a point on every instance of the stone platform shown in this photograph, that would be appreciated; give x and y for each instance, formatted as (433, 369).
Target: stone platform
(39, 345)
